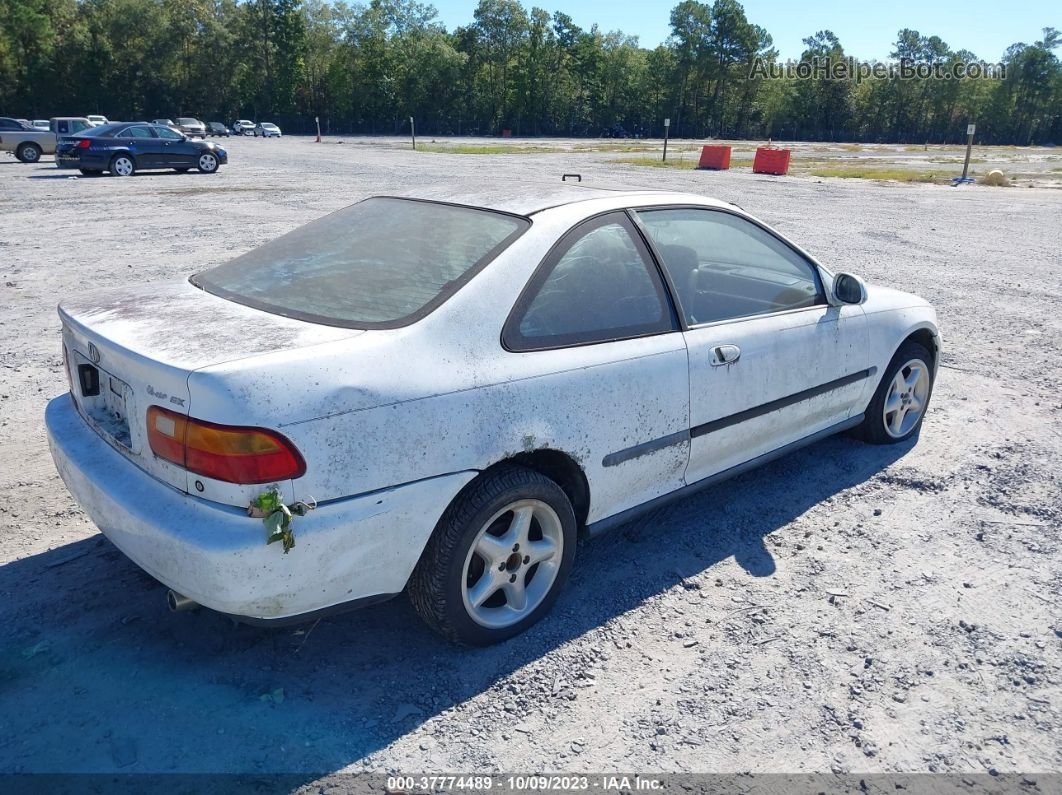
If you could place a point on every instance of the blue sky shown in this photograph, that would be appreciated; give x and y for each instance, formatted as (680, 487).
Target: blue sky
(866, 30)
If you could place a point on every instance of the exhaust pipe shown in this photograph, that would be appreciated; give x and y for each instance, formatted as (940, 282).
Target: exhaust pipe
(177, 602)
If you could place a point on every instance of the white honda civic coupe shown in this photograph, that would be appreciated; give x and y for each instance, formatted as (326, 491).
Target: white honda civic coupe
(439, 395)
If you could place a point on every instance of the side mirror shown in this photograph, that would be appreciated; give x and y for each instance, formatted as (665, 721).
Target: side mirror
(849, 289)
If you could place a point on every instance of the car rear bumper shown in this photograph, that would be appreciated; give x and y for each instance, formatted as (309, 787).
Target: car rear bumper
(348, 550)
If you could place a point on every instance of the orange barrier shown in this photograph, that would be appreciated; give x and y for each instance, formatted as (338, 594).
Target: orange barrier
(716, 158)
(769, 160)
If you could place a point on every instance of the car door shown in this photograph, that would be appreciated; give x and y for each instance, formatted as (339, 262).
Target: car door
(142, 144)
(771, 360)
(597, 332)
(177, 151)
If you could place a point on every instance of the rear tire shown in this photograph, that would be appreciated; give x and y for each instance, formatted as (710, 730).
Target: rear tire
(123, 165)
(29, 153)
(498, 558)
(898, 407)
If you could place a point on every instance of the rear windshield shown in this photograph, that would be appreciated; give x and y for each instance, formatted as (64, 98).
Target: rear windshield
(381, 263)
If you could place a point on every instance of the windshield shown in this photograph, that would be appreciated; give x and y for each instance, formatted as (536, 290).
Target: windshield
(381, 263)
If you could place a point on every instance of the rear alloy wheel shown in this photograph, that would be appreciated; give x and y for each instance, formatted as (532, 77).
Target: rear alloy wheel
(208, 163)
(29, 153)
(899, 406)
(497, 559)
(123, 165)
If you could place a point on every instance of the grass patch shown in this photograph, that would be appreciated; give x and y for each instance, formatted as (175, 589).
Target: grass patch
(656, 162)
(470, 149)
(892, 174)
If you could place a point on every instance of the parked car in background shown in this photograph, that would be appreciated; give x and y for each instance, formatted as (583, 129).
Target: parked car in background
(243, 127)
(69, 125)
(605, 352)
(216, 128)
(97, 120)
(41, 124)
(25, 142)
(267, 130)
(124, 148)
(193, 128)
(164, 122)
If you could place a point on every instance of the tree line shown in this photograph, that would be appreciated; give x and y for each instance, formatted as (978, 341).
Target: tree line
(368, 68)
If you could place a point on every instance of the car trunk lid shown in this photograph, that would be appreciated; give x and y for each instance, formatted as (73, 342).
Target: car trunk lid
(128, 349)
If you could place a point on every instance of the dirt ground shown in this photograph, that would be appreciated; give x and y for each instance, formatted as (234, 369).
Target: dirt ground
(848, 608)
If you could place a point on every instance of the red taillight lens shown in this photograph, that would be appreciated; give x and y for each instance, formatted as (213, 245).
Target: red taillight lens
(84, 143)
(223, 452)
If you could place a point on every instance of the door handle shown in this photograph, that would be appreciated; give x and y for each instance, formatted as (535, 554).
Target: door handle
(725, 354)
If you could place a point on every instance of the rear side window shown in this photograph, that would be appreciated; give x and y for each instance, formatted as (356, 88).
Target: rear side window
(597, 285)
(137, 132)
(381, 263)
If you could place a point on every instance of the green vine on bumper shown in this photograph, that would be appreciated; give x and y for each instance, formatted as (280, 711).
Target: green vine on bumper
(276, 516)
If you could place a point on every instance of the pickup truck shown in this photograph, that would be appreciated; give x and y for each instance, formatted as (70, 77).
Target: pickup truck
(28, 144)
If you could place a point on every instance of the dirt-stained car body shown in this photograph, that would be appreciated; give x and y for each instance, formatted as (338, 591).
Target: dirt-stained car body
(460, 385)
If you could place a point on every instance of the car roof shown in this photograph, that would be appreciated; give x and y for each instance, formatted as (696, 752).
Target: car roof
(531, 198)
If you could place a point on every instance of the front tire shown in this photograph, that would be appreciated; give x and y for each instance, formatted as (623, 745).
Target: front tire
(208, 163)
(123, 165)
(498, 558)
(898, 407)
(29, 153)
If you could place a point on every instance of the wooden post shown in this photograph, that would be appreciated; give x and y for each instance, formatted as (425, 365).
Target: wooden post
(667, 129)
(413, 133)
(970, 130)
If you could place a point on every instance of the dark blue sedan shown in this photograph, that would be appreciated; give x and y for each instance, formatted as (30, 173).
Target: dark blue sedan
(123, 148)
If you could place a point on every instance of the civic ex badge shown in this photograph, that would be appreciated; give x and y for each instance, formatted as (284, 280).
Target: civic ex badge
(94, 353)
(160, 395)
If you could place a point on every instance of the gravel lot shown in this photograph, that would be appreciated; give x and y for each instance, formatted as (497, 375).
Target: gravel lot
(848, 608)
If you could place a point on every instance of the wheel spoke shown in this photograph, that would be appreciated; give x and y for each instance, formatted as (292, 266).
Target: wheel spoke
(520, 526)
(915, 405)
(899, 384)
(484, 588)
(912, 380)
(896, 423)
(893, 402)
(515, 593)
(538, 551)
(492, 549)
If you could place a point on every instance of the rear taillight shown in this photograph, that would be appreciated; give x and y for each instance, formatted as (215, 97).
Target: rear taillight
(223, 452)
(84, 143)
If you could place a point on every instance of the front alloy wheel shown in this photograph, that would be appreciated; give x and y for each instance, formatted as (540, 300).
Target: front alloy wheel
(906, 399)
(497, 559)
(208, 163)
(898, 407)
